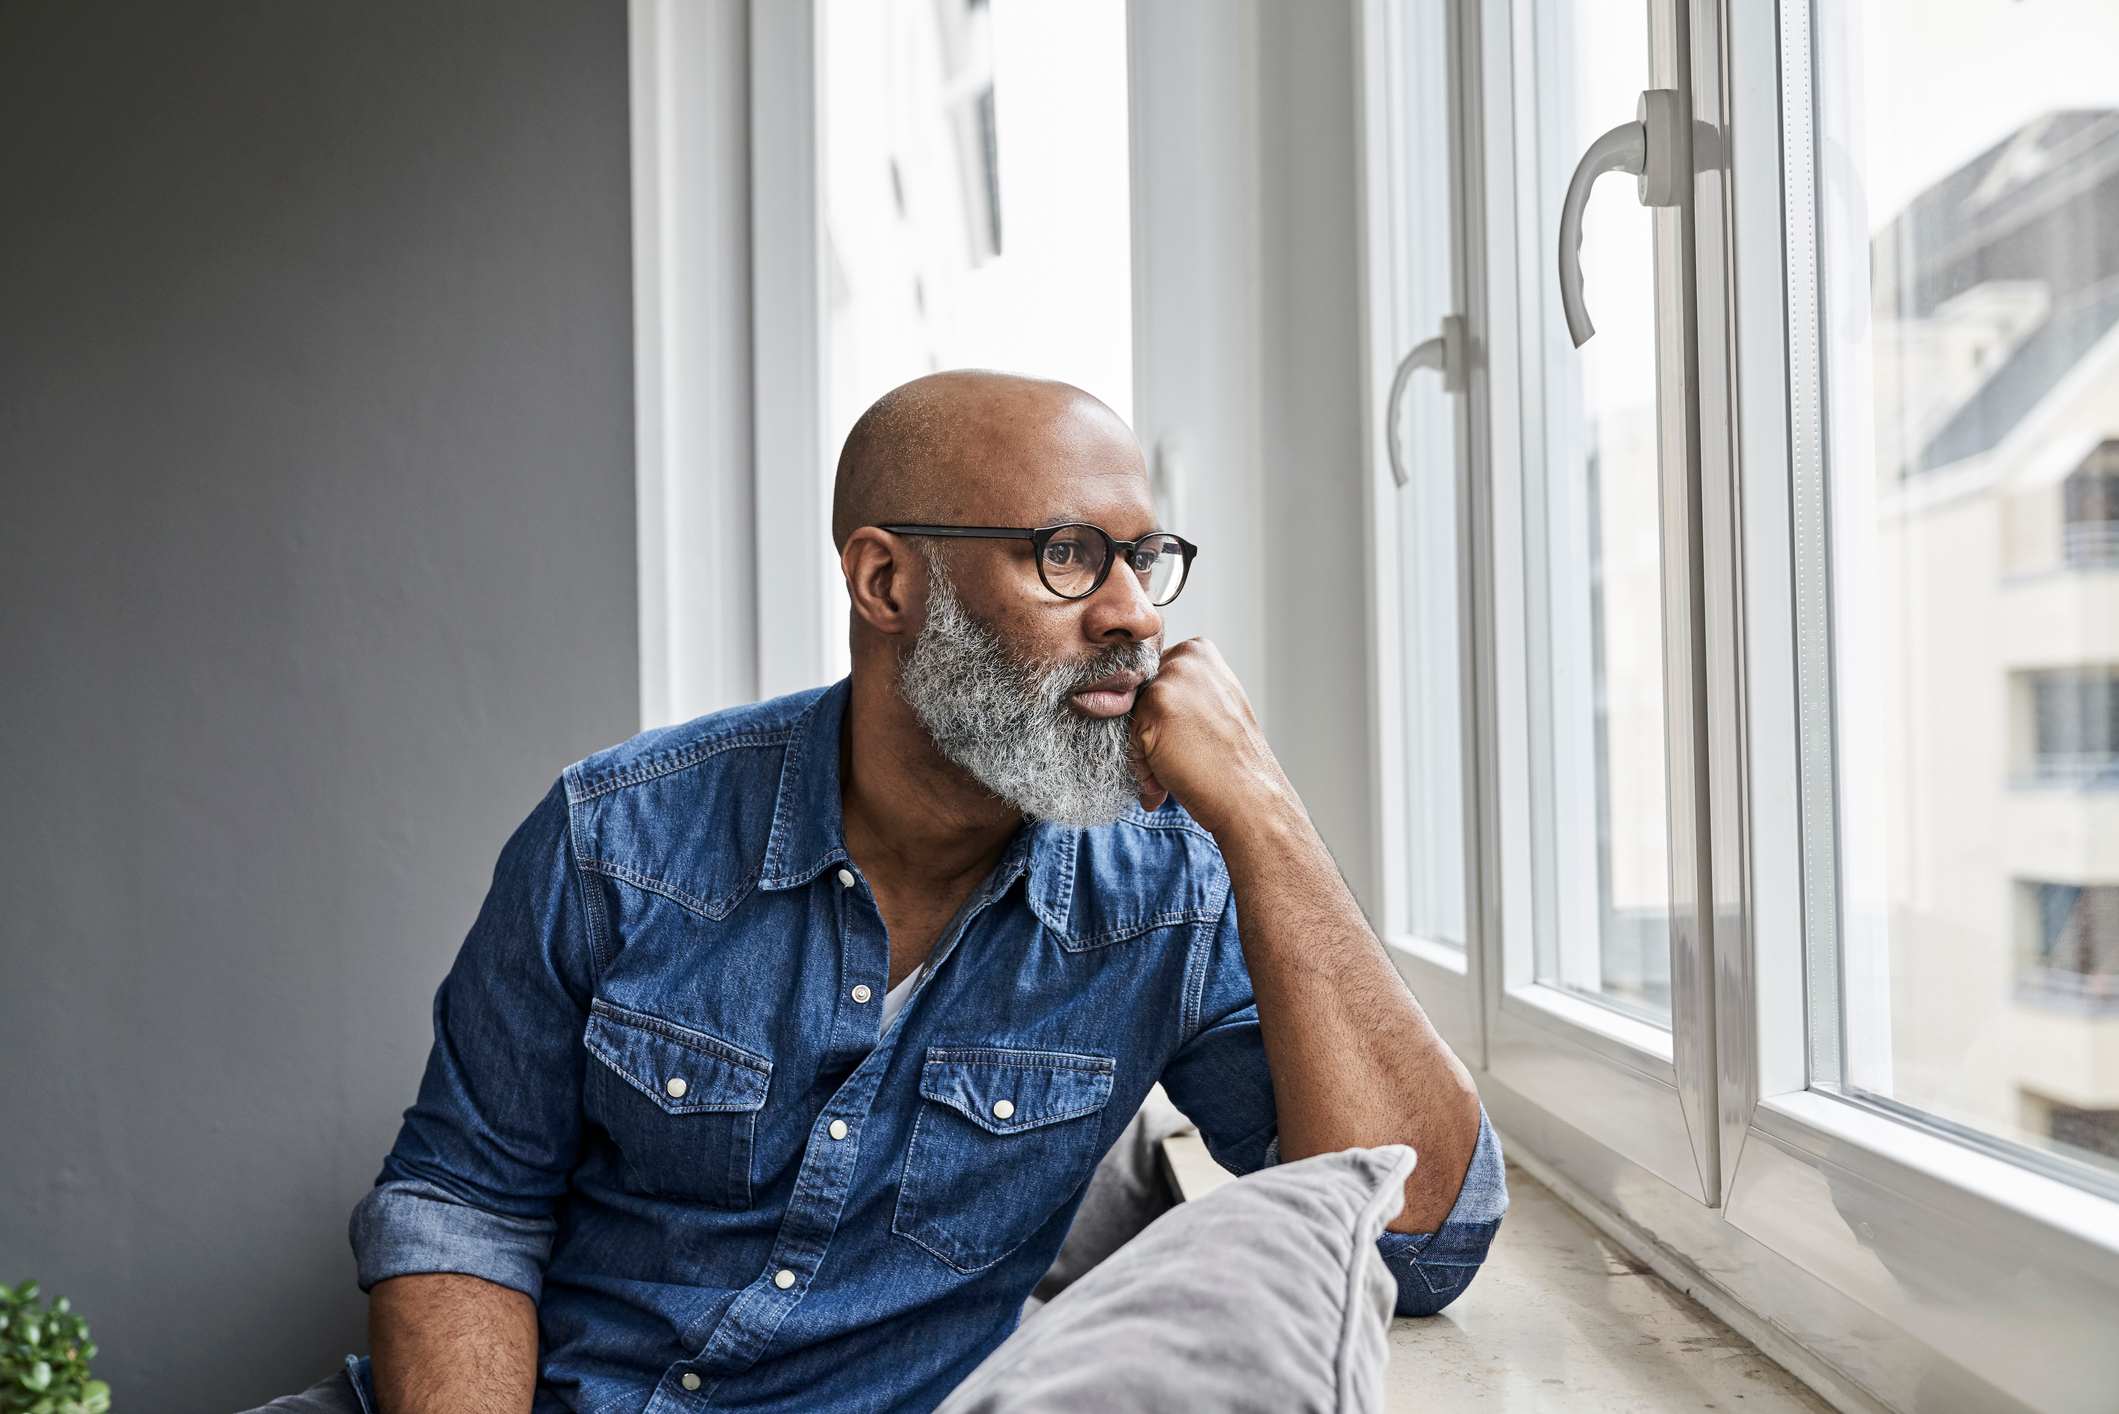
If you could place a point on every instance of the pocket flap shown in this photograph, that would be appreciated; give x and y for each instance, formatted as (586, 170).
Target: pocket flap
(657, 1057)
(1004, 1091)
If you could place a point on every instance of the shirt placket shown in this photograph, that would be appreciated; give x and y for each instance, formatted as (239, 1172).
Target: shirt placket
(830, 1159)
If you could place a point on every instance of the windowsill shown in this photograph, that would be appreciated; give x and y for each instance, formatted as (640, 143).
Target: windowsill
(2066, 994)
(1940, 1174)
(1557, 1316)
(2103, 778)
(2059, 570)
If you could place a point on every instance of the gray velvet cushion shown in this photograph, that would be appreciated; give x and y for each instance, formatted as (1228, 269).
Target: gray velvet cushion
(1267, 1294)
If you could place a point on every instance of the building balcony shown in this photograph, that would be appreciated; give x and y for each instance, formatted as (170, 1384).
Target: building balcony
(2062, 828)
(2066, 616)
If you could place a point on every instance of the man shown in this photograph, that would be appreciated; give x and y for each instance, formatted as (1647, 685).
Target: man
(776, 1062)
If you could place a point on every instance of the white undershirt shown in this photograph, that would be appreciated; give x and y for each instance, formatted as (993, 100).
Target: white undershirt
(895, 997)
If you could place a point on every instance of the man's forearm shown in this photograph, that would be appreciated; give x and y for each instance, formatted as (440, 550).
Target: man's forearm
(445, 1343)
(1353, 1058)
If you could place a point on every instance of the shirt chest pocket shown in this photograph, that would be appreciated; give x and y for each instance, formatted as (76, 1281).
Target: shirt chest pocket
(681, 1106)
(1000, 1140)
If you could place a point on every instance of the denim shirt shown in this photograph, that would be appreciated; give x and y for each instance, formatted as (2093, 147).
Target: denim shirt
(661, 1104)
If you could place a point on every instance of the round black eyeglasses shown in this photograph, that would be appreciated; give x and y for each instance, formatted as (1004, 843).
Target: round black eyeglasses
(1074, 559)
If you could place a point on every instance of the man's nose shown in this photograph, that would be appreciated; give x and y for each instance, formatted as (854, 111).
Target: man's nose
(1120, 608)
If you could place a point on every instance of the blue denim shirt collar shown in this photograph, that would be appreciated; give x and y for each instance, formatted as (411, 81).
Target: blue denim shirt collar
(808, 835)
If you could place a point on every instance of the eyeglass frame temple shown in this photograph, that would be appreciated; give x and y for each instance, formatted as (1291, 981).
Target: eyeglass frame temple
(1043, 534)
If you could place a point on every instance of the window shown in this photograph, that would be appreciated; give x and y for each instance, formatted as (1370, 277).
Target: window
(1794, 945)
(2073, 953)
(975, 200)
(1970, 343)
(1586, 952)
(2074, 726)
(1419, 523)
(1591, 549)
(2090, 510)
(2089, 1132)
(966, 96)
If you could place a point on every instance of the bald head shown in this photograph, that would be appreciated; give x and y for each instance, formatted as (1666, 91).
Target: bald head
(975, 446)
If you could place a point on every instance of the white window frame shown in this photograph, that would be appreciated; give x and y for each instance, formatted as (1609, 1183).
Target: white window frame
(801, 594)
(1641, 1091)
(692, 358)
(1888, 1261)
(728, 353)
(1447, 979)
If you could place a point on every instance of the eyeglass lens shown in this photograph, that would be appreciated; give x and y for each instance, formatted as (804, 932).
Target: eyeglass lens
(1073, 563)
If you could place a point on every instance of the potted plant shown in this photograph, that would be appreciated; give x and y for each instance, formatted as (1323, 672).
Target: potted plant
(44, 1355)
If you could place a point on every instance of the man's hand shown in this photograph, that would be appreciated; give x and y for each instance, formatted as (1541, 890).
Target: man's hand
(1353, 1058)
(1195, 737)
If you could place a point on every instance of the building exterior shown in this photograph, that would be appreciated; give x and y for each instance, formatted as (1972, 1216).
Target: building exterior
(1993, 616)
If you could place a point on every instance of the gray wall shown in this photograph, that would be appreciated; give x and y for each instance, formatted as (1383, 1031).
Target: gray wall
(316, 565)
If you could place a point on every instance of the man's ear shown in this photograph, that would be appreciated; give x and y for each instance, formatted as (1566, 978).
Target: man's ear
(886, 581)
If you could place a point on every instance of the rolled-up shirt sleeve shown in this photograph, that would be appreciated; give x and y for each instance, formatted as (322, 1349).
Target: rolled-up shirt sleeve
(1220, 1080)
(483, 1155)
(1432, 1268)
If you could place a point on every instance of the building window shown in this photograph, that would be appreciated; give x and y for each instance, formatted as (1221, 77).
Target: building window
(2092, 1131)
(2075, 726)
(966, 96)
(2072, 951)
(2089, 534)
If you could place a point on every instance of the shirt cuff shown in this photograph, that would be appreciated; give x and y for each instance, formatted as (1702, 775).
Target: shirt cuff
(406, 1226)
(1431, 1268)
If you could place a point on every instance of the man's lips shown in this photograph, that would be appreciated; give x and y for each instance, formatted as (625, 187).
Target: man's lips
(1108, 697)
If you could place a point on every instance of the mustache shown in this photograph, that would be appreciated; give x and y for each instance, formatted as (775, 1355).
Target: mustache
(1143, 656)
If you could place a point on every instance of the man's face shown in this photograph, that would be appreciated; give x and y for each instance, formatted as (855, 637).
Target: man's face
(1028, 691)
(1049, 733)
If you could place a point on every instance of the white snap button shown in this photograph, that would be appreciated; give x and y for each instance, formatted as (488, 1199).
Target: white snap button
(1003, 1108)
(846, 878)
(690, 1380)
(838, 1129)
(783, 1278)
(861, 992)
(676, 1087)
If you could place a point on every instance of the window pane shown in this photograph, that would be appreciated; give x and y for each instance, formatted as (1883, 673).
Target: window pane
(1422, 250)
(1593, 538)
(1968, 189)
(975, 197)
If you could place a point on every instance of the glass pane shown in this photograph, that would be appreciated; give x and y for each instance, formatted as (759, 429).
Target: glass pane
(1968, 191)
(975, 197)
(1421, 255)
(1592, 552)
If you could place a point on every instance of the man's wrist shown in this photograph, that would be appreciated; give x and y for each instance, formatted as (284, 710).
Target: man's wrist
(1266, 826)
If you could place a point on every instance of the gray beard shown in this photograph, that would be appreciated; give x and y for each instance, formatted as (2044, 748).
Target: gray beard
(1006, 721)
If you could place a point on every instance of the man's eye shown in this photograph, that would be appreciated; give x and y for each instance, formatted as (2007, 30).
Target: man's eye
(1058, 554)
(1144, 560)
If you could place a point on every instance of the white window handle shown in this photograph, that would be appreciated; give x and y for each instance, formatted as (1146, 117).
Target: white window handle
(1646, 147)
(1445, 354)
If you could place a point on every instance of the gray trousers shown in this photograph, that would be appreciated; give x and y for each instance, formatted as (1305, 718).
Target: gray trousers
(1126, 1193)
